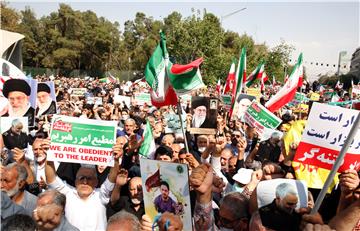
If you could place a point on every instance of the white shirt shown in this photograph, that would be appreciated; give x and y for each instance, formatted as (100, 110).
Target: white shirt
(89, 214)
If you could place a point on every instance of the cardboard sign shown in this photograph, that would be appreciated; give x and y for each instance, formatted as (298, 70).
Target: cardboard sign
(204, 113)
(142, 98)
(256, 92)
(78, 91)
(173, 123)
(321, 142)
(226, 101)
(122, 99)
(261, 118)
(315, 97)
(94, 100)
(82, 140)
(176, 178)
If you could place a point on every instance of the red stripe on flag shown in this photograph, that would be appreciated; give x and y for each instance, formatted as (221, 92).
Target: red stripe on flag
(179, 69)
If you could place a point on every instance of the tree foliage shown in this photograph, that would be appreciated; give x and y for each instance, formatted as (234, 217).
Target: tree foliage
(68, 39)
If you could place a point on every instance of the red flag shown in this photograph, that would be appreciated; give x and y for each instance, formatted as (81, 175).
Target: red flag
(287, 92)
(153, 181)
(218, 87)
(230, 81)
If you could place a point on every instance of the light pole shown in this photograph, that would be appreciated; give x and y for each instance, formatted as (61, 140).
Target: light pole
(226, 16)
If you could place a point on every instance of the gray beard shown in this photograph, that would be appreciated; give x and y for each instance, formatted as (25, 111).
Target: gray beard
(198, 121)
(13, 192)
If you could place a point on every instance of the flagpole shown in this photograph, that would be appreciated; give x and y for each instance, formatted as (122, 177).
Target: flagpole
(179, 110)
(337, 164)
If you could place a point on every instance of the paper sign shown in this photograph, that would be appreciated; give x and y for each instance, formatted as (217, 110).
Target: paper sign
(261, 118)
(171, 177)
(82, 140)
(254, 92)
(142, 98)
(315, 97)
(120, 99)
(78, 91)
(323, 137)
(173, 124)
(227, 101)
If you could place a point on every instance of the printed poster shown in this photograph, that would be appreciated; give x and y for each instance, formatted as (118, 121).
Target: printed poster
(173, 123)
(324, 135)
(82, 140)
(261, 118)
(166, 188)
(142, 98)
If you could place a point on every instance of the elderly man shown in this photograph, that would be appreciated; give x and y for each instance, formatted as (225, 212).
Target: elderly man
(200, 119)
(15, 137)
(49, 213)
(133, 202)
(129, 129)
(13, 181)
(18, 91)
(280, 214)
(233, 207)
(45, 104)
(86, 204)
(123, 221)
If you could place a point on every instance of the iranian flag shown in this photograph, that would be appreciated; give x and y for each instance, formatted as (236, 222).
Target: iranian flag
(264, 78)
(230, 81)
(148, 148)
(162, 94)
(288, 91)
(256, 74)
(241, 78)
(186, 78)
(218, 87)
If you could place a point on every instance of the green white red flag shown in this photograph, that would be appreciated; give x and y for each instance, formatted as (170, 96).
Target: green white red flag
(148, 148)
(240, 78)
(230, 81)
(256, 74)
(264, 78)
(186, 78)
(162, 93)
(288, 91)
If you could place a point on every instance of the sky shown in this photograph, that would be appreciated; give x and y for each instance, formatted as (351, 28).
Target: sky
(319, 29)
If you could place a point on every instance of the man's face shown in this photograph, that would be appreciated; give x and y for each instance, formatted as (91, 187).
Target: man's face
(176, 149)
(43, 97)
(232, 165)
(236, 137)
(135, 190)
(9, 182)
(163, 157)
(200, 111)
(164, 192)
(39, 152)
(85, 182)
(167, 141)
(202, 142)
(224, 159)
(129, 127)
(243, 106)
(56, 210)
(229, 221)
(17, 128)
(288, 203)
(121, 140)
(18, 99)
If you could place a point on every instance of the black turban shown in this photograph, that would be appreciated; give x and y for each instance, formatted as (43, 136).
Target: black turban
(16, 85)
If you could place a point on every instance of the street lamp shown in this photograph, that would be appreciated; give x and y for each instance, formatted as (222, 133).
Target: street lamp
(226, 16)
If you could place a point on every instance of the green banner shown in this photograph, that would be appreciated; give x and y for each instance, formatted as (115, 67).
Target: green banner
(142, 98)
(263, 116)
(81, 140)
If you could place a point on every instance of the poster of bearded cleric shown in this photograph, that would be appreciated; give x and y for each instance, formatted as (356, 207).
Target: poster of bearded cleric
(46, 99)
(204, 111)
(166, 189)
(20, 95)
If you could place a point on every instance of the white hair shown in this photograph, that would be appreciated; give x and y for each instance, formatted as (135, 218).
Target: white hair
(16, 122)
(284, 189)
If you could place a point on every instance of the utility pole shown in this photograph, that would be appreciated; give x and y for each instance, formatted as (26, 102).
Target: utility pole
(226, 16)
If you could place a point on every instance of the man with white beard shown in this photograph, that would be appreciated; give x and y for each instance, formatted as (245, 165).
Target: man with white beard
(18, 92)
(45, 104)
(200, 118)
(13, 181)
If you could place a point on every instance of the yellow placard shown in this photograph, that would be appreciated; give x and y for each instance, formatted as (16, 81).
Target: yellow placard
(254, 92)
(315, 97)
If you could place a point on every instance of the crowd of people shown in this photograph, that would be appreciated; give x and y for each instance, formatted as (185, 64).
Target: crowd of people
(225, 169)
